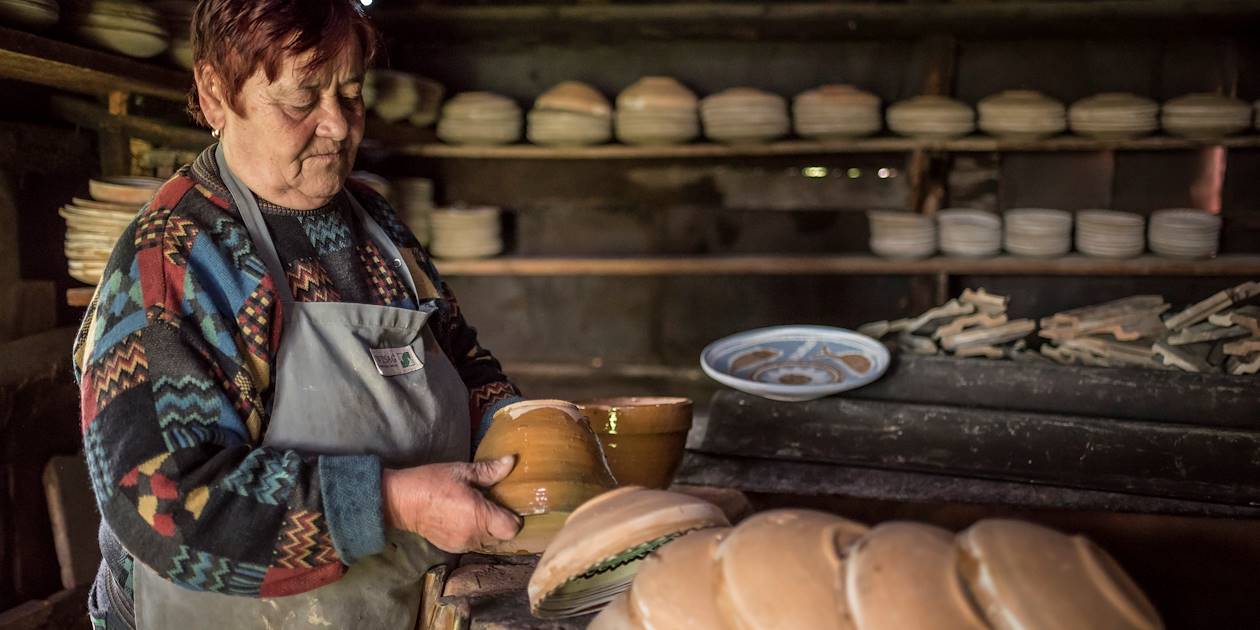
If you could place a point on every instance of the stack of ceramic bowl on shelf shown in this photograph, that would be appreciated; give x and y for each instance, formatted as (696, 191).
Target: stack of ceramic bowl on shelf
(1021, 115)
(1114, 116)
(570, 114)
(178, 16)
(94, 225)
(35, 15)
(931, 117)
(744, 115)
(657, 110)
(126, 27)
(414, 199)
(971, 233)
(902, 234)
(397, 96)
(1038, 232)
(1110, 234)
(480, 118)
(1184, 233)
(836, 111)
(466, 232)
(1205, 115)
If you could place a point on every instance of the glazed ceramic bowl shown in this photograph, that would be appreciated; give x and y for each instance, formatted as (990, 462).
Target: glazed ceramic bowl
(1027, 576)
(642, 437)
(132, 191)
(795, 363)
(901, 575)
(676, 586)
(599, 550)
(783, 570)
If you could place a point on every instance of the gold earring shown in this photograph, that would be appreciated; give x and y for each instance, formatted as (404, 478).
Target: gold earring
(214, 133)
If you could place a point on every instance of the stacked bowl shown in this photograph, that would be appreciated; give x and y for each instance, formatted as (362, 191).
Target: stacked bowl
(1110, 234)
(397, 96)
(126, 27)
(570, 114)
(94, 225)
(931, 117)
(32, 14)
(1184, 233)
(466, 232)
(836, 111)
(971, 233)
(902, 234)
(744, 115)
(480, 118)
(657, 110)
(1038, 232)
(178, 16)
(1022, 115)
(414, 197)
(1114, 116)
(1204, 115)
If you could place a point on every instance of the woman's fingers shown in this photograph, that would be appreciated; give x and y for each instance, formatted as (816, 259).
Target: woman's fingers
(486, 473)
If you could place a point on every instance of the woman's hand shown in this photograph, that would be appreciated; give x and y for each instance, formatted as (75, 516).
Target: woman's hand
(442, 503)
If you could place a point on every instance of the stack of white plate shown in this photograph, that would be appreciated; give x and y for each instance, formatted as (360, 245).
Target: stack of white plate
(123, 26)
(1114, 116)
(743, 114)
(396, 96)
(1185, 233)
(94, 225)
(414, 196)
(973, 233)
(1022, 115)
(1205, 115)
(466, 232)
(1110, 234)
(178, 16)
(30, 14)
(480, 118)
(657, 110)
(1038, 232)
(836, 111)
(902, 234)
(931, 117)
(570, 114)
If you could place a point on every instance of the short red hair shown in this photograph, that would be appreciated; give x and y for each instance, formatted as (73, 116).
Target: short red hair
(237, 37)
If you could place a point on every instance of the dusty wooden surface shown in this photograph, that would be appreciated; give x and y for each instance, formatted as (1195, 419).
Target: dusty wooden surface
(36, 59)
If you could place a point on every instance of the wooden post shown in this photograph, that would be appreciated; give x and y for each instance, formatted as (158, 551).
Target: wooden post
(112, 142)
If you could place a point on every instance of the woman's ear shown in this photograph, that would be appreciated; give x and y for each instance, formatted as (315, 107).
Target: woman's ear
(211, 96)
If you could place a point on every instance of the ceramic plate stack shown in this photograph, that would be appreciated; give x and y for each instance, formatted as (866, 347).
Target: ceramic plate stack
(414, 197)
(1185, 233)
(902, 234)
(178, 17)
(123, 26)
(397, 96)
(931, 117)
(1038, 232)
(743, 115)
(836, 111)
(1205, 116)
(466, 232)
(1114, 116)
(480, 118)
(31, 14)
(657, 110)
(972, 233)
(1022, 115)
(1110, 234)
(570, 114)
(94, 225)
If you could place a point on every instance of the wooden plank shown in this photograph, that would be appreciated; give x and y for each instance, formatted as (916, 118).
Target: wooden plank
(72, 511)
(27, 307)
(36, 59)
(1152, 459)
(97, 118)
(1132, 394)
(813, 479)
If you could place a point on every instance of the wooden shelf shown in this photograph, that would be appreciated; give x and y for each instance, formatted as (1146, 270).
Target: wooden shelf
(882, 144)
(57, 64)
(1231, 265)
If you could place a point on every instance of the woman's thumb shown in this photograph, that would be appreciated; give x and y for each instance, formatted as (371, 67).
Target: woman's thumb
(489, 472)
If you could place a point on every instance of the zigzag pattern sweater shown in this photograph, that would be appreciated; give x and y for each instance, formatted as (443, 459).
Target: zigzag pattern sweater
(176, 360)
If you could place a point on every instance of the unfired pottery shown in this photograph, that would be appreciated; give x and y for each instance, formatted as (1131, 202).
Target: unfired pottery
(642, 437)
(676, 586)
(656, 93)
(574, 96)
(131, 191)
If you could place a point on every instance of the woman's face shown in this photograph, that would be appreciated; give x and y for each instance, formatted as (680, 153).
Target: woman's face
(295, 139)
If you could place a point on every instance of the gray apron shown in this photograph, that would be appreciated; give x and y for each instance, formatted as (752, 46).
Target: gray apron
(332, 397)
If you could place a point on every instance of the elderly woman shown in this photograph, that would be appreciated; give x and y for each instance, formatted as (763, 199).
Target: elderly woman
(279, 393)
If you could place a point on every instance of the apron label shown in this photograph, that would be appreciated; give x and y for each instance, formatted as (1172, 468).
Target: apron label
(395, 361)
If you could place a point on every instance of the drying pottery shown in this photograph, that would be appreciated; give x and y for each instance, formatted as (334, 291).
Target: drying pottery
(783, 569)
(795, 363)
(677, 585)
(577, 97)
(131, 191)
(31, 14)
(642, 438)
(656, 93)
(615, 616)
(1030, 577)
(901, 575)
(599, 550)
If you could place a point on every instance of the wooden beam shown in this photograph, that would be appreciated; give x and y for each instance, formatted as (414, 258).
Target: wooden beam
(86, 114)
(43, 61)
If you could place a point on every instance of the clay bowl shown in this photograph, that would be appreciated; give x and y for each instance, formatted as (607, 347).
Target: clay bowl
(599, 550)
(575, 96)
(901, 575)
(1027, 576)
(676, 586)
(782, 570)
(130, 191)
(657, 93)
(642, 438)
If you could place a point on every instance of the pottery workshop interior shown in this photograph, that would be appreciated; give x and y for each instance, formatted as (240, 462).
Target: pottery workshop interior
(630, 315)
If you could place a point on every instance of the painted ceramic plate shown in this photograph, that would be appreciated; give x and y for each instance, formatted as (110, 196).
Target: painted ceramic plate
(795, 363)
